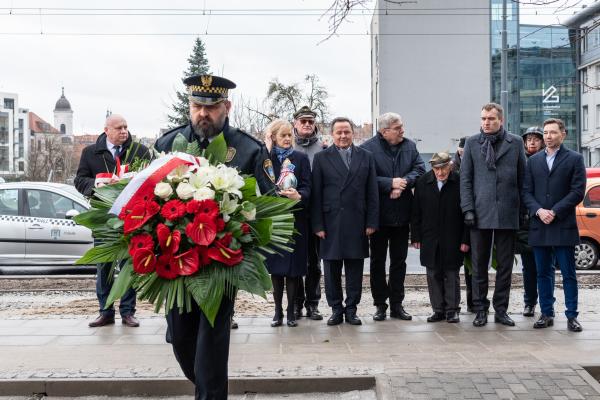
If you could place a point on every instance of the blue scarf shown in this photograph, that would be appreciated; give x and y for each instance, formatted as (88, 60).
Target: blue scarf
(282, 153)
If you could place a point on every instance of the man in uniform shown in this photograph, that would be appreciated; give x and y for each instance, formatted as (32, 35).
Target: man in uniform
(201, 350)
(309, 290)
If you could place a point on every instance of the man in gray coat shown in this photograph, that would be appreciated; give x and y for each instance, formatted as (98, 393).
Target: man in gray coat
(491, 180)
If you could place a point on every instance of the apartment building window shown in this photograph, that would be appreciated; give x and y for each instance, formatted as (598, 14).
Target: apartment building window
(597, 69)
(21, 166)
(9, 104)
(584, 80)
(597, 115)
(584, 118)
(3, 130)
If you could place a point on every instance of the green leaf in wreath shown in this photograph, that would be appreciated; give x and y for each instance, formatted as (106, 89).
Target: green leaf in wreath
(216, 151)
(180, 143)
(249, 188)
(194, 149)
(92, 218)
(122, 284)
(207, 289)
(104, 253)
(115, 223)
(263, 228)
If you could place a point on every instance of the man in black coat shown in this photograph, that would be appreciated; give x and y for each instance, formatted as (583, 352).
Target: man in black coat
(437, 229)
(398, 166)
(344, 213)
(101, 158)
(202, 350)
(555, 182)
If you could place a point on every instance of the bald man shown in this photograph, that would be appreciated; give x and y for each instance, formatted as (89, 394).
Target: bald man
(100, 158)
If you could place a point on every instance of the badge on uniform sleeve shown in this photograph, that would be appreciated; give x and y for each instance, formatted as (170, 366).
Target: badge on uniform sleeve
(230, 154)
(268, 168)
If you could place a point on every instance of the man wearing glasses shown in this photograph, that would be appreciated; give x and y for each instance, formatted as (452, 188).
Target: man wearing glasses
(308, 141)
(398, 165)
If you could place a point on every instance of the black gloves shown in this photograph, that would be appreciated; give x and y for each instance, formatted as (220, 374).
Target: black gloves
(470, 219)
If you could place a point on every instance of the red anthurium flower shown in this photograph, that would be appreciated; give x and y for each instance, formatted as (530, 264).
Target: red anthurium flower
(245, 228)
(203, 254)
(163, 267)
(202, 230)
(186, 263)
(222, 253)
(173, 209)
(167, 239)
(144, 261)
(137, 217)
(141, 241)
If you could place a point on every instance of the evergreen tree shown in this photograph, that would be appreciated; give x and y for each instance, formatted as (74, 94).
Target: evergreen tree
(197, 65)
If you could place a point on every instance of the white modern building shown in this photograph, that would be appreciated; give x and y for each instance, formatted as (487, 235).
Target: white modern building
(63, 115)
(431, 64)
(14, 140)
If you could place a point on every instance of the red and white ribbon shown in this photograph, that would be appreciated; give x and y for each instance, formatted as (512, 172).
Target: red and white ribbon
(145, 181)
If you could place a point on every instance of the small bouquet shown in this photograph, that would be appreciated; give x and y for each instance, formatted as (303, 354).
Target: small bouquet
(187, 227)
(287, 179)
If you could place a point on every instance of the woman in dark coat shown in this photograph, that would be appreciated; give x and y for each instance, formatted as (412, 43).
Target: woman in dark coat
(286, 268)
(437, 229)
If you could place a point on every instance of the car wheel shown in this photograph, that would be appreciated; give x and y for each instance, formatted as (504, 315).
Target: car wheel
(586, 255)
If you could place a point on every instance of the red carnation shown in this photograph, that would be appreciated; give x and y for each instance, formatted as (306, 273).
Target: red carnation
(163, 267)
(167, 239)
(173, 209)
(144, 261)
(222, 253)
(141, 241)
(202, 230)
(137, 217)
(245, 228)
(186, 263)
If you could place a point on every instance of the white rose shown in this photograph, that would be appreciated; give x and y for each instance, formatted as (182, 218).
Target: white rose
(163, 190)
(204, 193)
(185, 191)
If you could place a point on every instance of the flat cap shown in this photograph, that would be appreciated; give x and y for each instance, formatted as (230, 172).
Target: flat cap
(440, 159)
(305, 112)
(208, 89)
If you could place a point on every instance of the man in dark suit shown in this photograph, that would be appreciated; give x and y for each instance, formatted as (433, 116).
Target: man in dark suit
(554, 184)
(491, 180)
(202, 350)
(344, 212)
(115, 144)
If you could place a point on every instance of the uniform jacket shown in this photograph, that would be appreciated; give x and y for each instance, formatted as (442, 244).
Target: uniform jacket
(408, 164)
(437, 222)
(344, 202)
(494, 195)
(559, 190)
(249, 157)
(294, 264)
(96, 158)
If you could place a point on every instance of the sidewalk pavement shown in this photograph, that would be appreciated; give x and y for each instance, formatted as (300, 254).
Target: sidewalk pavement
(412, 359)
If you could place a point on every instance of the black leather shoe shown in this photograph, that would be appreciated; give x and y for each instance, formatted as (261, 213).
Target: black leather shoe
(352, 319)
(298, 311)
(503, 319)
(234, 324)
(399, 313)
(528, 311)
(452, 317)
(130, 321)
(436, 317)
(335, 319)
(573, 325)
(102, 320)
(543, 322)
(312, 312)
(292, 323)
(277, 318)
(380, 313)
(480, 318)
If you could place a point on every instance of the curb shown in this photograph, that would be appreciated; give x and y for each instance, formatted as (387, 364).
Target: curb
(182, 387)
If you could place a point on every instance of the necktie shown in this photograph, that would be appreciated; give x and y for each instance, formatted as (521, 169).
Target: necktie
(347, 155)
(117, 152)
(204, 144)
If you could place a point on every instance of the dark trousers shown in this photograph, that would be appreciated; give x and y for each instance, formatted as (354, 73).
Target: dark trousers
(104, 283)
(201, 350)
(396, 240)
(565, 256)
(530, 292)
(333, 284)
(444, 289)
(291, 287)
(309, 287)
(469, 289)
(481, 249)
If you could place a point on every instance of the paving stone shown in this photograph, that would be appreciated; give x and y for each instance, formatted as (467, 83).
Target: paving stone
(576, 381)
(505, 394)
(517, 388)
(484, 388)
(573, 394)
(530, 384)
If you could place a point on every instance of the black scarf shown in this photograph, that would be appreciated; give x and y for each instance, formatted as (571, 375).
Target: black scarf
(487, 147)
(305, 142)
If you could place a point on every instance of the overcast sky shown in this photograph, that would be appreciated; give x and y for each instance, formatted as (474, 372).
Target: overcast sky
(137, 75)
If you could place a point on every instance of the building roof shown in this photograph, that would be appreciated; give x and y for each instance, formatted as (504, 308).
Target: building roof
(586, 14)
(62, 104)
(38, 125)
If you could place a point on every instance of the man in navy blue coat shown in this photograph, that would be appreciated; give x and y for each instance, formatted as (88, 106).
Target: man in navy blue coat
(554, 185)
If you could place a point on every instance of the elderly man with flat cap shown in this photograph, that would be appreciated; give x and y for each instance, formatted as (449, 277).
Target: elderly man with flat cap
(308, 142)
(201, 350)
(437, 228)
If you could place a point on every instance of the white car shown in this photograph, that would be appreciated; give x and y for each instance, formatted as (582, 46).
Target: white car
(36, 226)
